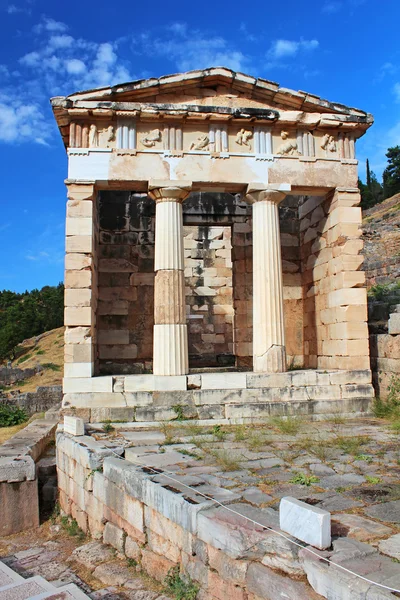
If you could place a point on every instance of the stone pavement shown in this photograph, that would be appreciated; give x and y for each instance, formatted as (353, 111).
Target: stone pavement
(50, 553)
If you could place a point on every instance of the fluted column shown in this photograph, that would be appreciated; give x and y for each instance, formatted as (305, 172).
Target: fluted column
(269, 351)
(170, 344)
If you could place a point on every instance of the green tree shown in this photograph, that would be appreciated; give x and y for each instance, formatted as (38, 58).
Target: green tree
(391, 175)
(372, 192)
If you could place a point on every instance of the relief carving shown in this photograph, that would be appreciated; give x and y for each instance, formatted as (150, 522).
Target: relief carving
(243, 138)
(110, 133)
(328, 143)
(93, 137)
(202, 143)
(288, 147)
(151, 138)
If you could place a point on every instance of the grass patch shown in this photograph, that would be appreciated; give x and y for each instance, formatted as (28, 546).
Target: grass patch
(240, 433)
(373, 480)
(169, 433)
(391, 406)
(107, 426)
(189, 453)
(395, 426)
(51, 366)
(351, 445)
(179, 411)
(40, 352)
(303, 479)
(179, 588)
(24, 358)
(226, 460)
(256, 441)
(286, 425)
(72, 528)
(365, 457)
(218, 433)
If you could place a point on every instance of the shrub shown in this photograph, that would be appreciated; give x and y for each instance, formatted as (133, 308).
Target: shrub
(11, 415)
(391, 406)
(180, 589)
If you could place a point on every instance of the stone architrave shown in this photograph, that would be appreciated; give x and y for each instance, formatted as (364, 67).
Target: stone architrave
(170, 345)
(269, 351)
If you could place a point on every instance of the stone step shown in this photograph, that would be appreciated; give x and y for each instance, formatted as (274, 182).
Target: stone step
(26, 589)
(66, 592)
(8, 576)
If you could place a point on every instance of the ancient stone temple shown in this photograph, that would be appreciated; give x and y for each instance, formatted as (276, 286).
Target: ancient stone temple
(212, 247)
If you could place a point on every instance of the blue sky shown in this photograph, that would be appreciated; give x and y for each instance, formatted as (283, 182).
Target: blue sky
(342, 50)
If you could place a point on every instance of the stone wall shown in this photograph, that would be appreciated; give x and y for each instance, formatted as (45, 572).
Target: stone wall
(126, 282)
(43, 399)
(336, 332)
(10, 375)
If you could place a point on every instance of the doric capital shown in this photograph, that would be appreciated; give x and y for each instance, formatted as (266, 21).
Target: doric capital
(84, 190)
(169, 190)
(269, 192)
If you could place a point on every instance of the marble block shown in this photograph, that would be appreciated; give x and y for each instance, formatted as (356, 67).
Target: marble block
(74, 426)
(306, 523)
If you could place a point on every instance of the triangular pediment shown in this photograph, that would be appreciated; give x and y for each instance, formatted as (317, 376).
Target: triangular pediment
(217, 86)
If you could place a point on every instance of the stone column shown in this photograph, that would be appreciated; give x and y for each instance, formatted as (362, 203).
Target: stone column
(269, 352)
(170, 344)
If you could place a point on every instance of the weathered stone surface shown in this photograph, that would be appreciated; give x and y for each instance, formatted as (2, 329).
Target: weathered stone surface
(113, 573)
(387, 511)
(92, 554)
(358, 527)
(307, 523)
(391, 546)
(266, 583)
(114, 536)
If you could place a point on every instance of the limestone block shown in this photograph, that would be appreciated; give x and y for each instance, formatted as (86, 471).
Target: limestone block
(136, 383)
(113, 337)
(347, 262)
(79, 353)
(339, 314)
(74, 426)
(78, 279)
(77, 297)
(347, 297)
(77, 335)
(394, 323)
(79, 244)
(342, 215)
(114, 536)
(80, 191)
(263, 582)
(365, 390)
(129, 351)
(80, 208)
(344, 362)
(132, 549)
(79, 226)
(16, 469)
(343, 230)
(78, 261)
(220, 381)
(348, 331)
(85, 369)
(268, 380)
(162, 546)
(155, 565)
(305, 522)
(78, 316)
(84, 399)
(87, 384)
(348, 377)
(346, 347)
(168, 530)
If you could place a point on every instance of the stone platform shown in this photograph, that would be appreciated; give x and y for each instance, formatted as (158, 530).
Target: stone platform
(231, 397)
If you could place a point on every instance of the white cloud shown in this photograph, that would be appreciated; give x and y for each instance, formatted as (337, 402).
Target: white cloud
(75, 66)
(50, 25)
(192, 49)
(288, 48)
(20, 122)
(13, 9)
(331, 7)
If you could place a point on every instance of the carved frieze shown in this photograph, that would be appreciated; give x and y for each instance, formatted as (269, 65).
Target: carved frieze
(150, 139)
(202, 143)
(243, 138)
(288, 147)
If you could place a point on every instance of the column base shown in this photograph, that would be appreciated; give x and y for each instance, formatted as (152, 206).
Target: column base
(273, 361)
(170, 350)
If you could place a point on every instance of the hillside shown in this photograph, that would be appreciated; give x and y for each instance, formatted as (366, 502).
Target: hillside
(47, 350)
(381, 228)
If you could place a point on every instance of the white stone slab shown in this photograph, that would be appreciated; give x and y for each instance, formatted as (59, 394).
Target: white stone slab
(74, 426)
(89, 164)
(78, 369)
(306, 523)
(223, 381)
(8, 576)
(149, 383)
(66, 592)
(28, 588)
(78, 385)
